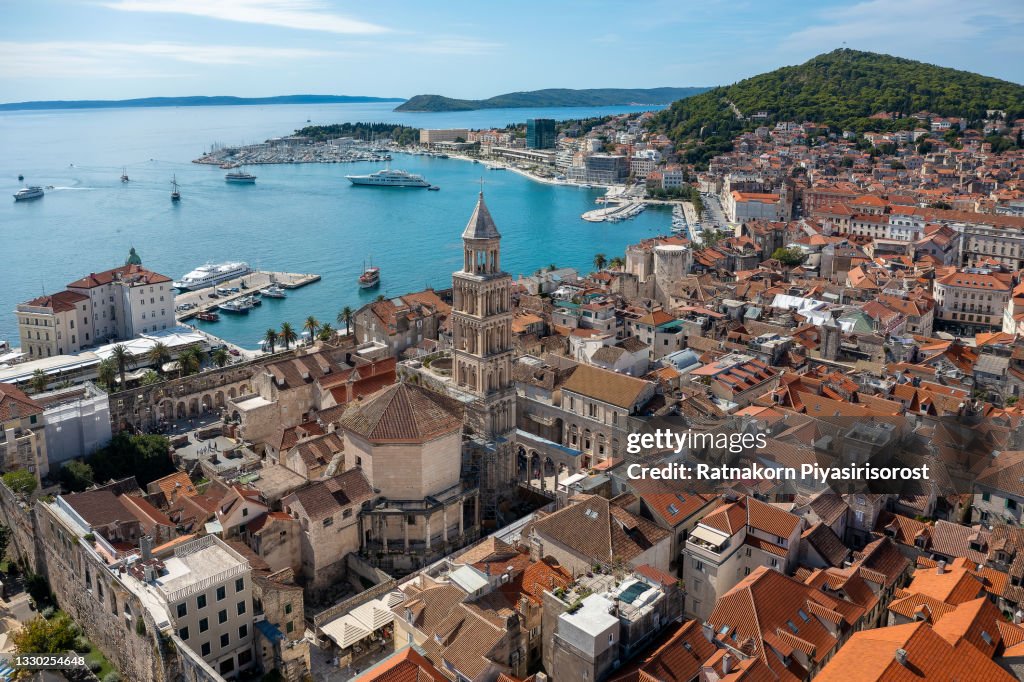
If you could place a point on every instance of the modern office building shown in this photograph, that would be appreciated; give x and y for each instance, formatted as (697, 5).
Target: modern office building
(540, 133)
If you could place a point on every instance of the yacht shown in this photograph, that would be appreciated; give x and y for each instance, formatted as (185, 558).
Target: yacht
(240, 306)
(240, 178)
(210, 274)
(27, 193)
(124, 175)
(175, 194)
(370, 277)
(274, 291)
(389, 178)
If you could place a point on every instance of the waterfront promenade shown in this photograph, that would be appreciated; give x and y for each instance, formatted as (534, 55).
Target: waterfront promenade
(190, 303)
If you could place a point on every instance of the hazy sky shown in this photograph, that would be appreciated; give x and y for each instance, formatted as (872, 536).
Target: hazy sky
(115, 49)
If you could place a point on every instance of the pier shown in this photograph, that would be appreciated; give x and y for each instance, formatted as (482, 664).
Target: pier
(614, 213)
(201, 302)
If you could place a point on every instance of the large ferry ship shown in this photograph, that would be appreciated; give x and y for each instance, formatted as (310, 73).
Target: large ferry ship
(211, 274)
(240, 177)
(389, 178)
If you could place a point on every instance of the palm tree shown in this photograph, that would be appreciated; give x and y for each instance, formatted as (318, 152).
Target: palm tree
(106, 373)
(345, 317)
(159, 354)
(326, 332)
(617, 262)
(39, 381)
(191, 360)
(552, 267)
(220, 357)
(122, 357)
(287, 334)
(270, 337)
(381, 297)
(312, 326)
(600, 261)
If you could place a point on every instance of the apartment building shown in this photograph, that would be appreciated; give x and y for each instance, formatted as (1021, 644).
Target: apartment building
(22, 433)
(972, 299)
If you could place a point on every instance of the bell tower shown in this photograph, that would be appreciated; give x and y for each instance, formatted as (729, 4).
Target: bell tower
(482, 327)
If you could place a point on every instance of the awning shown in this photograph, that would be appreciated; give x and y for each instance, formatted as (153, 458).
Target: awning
(345, 631)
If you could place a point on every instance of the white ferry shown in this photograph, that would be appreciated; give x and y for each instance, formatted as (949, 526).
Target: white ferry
(210, 274)
(240, 178)
(389, 178)
(27, 193)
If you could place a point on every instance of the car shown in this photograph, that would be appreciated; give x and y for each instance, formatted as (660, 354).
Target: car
(234, 351)
(214, 295)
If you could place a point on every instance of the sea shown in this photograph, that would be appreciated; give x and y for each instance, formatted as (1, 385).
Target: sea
(303, 218)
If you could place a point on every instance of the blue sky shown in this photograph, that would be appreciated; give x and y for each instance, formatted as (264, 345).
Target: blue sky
(115, 49)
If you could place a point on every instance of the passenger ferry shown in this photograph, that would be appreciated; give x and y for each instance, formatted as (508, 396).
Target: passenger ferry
(210, 274)
(240, 178)
(27, 193)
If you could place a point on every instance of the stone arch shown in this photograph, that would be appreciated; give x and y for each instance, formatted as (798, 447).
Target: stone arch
(535, 471)
(206, 402)
(232, 393)
(522, 465)
(180, 410)
(244, 390)
(549, 467)
(218, 398)
(235, 417)
(165, 409)
(193, 407)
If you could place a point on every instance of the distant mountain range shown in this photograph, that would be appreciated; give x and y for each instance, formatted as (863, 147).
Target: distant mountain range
(192, 102)
(554, 97)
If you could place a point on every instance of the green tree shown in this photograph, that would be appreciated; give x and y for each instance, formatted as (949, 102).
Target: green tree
(39, 381)
(106, 373)
(788, 257)
(287, 334)
(600, 261)
(191, 359)
(150, 378)
(76, 476)
(345, 317)
(21, 481)
(147, 457)
(312, 325)
(270, 338)
(380, 298)
(122, 357)
(5, 540)
(326, 332)
(220, 357)
(617, 262)
(159, 355)
(42, 636)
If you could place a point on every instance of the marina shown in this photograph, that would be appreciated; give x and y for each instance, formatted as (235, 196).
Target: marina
(615, 213)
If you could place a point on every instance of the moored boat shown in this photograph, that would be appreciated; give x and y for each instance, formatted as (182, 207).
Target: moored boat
(274, 291)
(211, 274)
(209, 316)
(239, 307)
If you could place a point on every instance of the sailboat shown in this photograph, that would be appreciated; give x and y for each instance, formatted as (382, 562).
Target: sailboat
(124, 174)
(175, 194)
(370, 277)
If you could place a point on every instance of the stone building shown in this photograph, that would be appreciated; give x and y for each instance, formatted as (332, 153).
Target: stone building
(22, 433)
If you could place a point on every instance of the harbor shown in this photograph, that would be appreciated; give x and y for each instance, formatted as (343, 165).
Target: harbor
(199, 304)
(294, 150)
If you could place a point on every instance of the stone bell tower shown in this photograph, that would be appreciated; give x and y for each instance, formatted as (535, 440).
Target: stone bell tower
(482, 328)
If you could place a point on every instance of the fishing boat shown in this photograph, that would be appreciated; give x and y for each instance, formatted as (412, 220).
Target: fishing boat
(175, 194)
(370, 277)
(20, 177)
(433, 188)
(124, 175)
(239, 307)
(209, 316)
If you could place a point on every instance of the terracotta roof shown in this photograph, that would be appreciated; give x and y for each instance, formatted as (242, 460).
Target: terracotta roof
(680, 658)
(870, 656)
(613, 388)
(173, 485)
(403, 413)
(827, 544)
(598, 531)
(61, 302)
(132, 273)
(326, 498)
(14, 404)
(407, 665)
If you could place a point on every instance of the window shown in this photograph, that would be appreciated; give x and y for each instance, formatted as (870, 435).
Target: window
(239, 584)
(241, 608)
(201, 601)
(243, 631)
(1011, 504)
(204, 624)
(346, 514)
(244, 657)
(289, 626)
(222, 617)
(183, 633)
(182, 610)
(227, 665)
(221, 593)
(329, 521)
(288, 607)
(225, 639)
(205, 649)
(985, 497)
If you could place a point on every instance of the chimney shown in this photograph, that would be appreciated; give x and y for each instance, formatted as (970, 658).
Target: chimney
(709, 632)
(1018, 617)
(940, 568)
(146, 546)
(710, 675)
(901, 657)
(726, 663)
(540, 677)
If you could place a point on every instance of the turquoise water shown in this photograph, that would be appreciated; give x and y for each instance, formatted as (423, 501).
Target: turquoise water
(296, 218)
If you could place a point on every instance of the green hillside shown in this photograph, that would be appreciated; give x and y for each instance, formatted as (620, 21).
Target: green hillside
(842, 89)
(555, 97)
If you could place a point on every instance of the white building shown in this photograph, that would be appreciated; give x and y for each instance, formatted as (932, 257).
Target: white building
(77, 422)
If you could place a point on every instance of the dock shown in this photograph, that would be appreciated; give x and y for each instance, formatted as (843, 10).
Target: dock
(614, 213)
(254, 281)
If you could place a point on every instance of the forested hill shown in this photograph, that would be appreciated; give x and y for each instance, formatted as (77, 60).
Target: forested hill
(557, 97)
(842, 89)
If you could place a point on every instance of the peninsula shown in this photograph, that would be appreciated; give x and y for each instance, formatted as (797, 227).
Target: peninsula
(198, 101)
(553, 97)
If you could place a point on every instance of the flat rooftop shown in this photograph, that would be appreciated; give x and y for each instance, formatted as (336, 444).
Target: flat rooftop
(197, 565)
